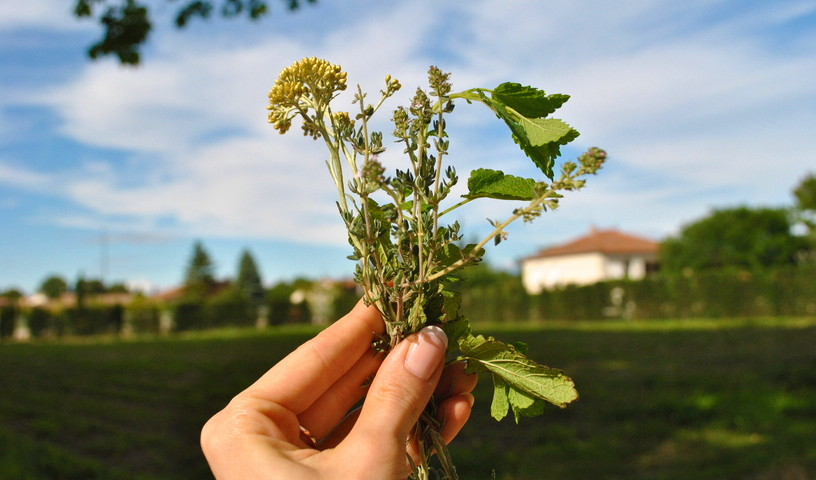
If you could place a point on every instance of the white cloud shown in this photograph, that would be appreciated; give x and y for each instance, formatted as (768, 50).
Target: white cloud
(694, 111)
(43, 14)
(22, 178)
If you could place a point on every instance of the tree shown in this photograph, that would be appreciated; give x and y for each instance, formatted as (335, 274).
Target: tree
(54, 286)
(199, 279)
(805, 208)
(741, 237)
(249, 281)
(127, 23)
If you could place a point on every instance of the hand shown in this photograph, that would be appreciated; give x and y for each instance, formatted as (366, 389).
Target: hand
(260, 434)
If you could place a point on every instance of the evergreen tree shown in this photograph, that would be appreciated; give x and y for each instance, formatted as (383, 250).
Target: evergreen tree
(54, 286)
(249, 281)
(805, 209)
(199, 279)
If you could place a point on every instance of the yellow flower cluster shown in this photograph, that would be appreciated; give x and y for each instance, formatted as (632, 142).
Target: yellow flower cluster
(310, 78)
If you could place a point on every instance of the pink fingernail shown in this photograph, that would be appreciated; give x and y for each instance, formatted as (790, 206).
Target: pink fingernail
(427, 349)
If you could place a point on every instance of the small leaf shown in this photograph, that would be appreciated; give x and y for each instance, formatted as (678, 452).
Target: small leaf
(451, 306)
(517, 370)
(528, 101)
(524, 405)
(521, 347)
(486, 183)
(448, 255)
(470, 249)
(455, 330)
(500, 405)
(543, 131)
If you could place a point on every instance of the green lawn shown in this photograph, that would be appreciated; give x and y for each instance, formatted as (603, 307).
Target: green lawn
(693, 401)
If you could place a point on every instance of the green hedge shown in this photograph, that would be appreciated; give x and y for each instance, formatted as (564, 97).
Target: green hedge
(779, 292)
(95, 320)
(143, 315)
(7, 319)
(493, 296)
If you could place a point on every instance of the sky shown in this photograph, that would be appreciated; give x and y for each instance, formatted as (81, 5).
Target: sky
(114, 172)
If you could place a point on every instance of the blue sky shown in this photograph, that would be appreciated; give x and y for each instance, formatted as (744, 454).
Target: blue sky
(114, 170)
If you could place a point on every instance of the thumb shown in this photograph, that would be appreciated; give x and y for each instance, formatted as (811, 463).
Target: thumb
(401, 389)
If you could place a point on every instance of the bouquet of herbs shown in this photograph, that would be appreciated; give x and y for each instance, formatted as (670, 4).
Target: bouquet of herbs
(407, 257)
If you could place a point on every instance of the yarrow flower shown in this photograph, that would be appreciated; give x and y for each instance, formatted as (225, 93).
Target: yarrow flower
(311, 82)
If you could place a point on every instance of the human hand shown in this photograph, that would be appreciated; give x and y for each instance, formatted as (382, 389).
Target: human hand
(260, 433)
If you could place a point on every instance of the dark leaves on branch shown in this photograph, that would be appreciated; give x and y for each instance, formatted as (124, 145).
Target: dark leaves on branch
(127, 23)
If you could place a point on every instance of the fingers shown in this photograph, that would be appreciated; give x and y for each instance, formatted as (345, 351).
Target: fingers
(327, 411)
(305, 374)
(399, 393)
(453, 413)
(455, 381)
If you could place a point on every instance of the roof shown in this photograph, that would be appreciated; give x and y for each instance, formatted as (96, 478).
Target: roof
(611, 242)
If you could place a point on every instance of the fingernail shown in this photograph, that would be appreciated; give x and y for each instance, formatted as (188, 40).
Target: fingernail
(427, 349)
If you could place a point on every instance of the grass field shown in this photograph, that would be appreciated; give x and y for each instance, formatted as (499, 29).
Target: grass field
(659, 400)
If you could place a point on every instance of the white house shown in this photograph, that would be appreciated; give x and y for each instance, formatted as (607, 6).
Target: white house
(600, 255)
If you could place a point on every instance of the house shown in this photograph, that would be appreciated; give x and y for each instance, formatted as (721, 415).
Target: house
(597, 256)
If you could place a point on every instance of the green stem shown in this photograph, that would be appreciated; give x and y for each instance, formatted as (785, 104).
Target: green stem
(463, 202)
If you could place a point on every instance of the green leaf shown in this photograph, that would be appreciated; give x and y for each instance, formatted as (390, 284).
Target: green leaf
(500, 405)
(528, 101)
(455, 330)
(524, 405)
(451, 306)
(518, 371)
(521, 347)
(470, 249)
(540, 139)
(543, 131)
(448, 255)
(486, 183)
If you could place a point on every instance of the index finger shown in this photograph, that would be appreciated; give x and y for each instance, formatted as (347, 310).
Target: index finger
(305, 374)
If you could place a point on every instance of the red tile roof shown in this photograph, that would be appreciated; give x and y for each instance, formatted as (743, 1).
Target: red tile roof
(602, 241)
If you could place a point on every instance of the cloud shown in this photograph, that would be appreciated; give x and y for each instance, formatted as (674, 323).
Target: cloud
(694, 105)
(22, 178)
(41, 14)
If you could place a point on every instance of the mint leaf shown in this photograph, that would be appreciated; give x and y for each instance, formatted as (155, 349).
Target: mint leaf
(520, 347)
(539, 138)
(528, 101)
(450, 307)
(518, 371)
(500, 405)
(506, 397)
(524, 405)
(543, 131)
(456, 330)
(486, 183)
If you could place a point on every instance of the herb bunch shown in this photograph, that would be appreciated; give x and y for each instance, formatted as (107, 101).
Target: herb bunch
(407, 256)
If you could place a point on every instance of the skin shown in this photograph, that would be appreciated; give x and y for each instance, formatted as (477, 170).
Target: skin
(258, 434)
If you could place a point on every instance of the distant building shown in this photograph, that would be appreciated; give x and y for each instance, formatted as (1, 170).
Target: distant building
(600, 255)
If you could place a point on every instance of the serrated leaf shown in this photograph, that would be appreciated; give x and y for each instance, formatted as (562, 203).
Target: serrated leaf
(448, 255)
(521, 347)
(528, 101)
(530, 409)
(470, 249)
(500, 405)
(518, 371)
(539, 156)
(486, 183)
(455, 330)
(450, 308)
(543, 131)
(539, 143)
